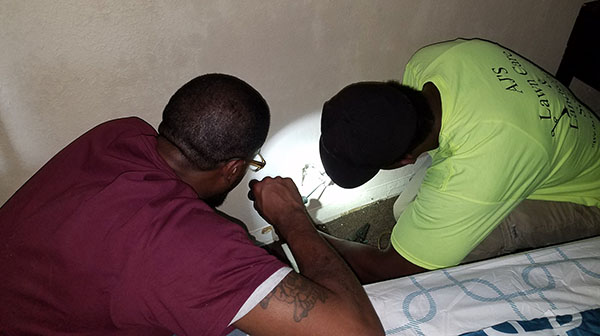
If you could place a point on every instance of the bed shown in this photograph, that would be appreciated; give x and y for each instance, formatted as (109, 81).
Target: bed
(549, 291)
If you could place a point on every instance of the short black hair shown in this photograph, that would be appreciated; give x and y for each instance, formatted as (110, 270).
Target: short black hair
(424, 113)
(214, 118)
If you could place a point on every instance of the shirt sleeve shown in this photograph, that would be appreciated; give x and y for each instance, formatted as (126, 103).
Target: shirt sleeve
(191, 274)
(261, 292)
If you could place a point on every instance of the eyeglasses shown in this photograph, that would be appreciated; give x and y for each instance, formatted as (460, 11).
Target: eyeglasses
(257, 163)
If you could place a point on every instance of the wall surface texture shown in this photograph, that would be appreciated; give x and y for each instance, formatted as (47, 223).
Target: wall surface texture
(66, 66)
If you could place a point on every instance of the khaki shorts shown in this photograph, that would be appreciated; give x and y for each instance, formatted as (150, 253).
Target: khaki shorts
(534, 224)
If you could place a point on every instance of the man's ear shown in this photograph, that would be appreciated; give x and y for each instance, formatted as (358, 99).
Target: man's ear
(232, 169)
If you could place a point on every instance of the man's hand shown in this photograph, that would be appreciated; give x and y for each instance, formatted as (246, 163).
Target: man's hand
(276, 199)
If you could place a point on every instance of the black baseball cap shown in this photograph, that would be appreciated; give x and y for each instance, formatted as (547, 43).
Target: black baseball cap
(364, 127)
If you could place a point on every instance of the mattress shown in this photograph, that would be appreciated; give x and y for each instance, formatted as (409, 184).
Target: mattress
(549, 291)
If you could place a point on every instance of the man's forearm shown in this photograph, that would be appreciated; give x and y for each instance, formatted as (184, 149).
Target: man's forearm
(327, 286)
(360, 257)
(371, 264)
(314, 256)
(318, 261)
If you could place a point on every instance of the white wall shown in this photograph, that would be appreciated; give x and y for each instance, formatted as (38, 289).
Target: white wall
(68, 65)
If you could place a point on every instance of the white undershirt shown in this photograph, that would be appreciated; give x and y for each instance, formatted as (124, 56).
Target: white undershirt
(260, 292)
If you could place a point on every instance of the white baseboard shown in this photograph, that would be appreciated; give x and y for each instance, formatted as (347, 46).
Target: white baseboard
(325, 212)
(333, 202)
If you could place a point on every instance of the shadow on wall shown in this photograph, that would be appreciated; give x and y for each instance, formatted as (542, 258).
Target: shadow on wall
(10, 167)
(53, 103)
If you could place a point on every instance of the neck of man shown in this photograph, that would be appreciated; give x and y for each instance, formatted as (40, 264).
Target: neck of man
(200, 180)
(434, 100)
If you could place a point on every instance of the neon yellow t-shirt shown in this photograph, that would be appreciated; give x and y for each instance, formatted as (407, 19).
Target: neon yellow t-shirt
(510, 131)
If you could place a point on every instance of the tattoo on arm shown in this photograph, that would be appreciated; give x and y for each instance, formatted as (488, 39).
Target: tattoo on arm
(298, 291)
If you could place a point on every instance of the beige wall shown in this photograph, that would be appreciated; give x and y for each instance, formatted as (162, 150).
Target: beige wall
(68, 65)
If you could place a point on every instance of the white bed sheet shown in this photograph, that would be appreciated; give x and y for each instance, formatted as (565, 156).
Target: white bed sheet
(552, 281)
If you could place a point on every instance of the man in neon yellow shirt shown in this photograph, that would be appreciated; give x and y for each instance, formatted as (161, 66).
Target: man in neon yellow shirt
(505, 137)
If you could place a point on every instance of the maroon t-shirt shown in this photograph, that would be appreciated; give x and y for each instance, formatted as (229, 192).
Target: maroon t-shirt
(105, 239)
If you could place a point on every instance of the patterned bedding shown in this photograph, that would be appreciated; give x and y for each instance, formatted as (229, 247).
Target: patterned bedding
(550, 291)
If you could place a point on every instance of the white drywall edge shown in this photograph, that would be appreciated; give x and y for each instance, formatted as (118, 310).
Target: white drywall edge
(322, 214)
(331, 211)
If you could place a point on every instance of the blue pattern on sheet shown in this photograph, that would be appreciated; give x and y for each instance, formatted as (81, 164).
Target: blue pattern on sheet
(586, 323)
(414, 323)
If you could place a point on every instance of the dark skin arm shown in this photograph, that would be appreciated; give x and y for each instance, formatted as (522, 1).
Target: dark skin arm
(371, 264)
(326, 298)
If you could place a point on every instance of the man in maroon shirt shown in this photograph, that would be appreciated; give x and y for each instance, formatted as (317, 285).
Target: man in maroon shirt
(117, 234)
